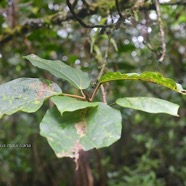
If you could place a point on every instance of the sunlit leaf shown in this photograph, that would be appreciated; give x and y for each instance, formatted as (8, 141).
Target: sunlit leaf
(83, 129)
(25, 94)
(153, 77)
(151, 105)
(75, 77)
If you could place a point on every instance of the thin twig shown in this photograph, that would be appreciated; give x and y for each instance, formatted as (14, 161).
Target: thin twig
(74, 96)
(74, 4)
(118, 9)
(102, 71)
(105, 60)
(104, 94)
(85, 95)
(95, 91)
(80, 21)
(86, 3)
(121, 17)
(149, 46)
(161, 31)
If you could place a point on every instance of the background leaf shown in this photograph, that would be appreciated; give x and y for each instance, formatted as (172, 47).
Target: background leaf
(81, 130)
(151, 105)
(154, 77)
(64, 103)
(75, 77)
(25, 94)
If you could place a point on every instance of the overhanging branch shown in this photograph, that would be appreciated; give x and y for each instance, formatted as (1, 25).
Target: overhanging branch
(34, 24)
(57, 19)
(80, 20)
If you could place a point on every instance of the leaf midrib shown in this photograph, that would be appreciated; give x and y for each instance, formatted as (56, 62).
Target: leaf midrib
(47, 63)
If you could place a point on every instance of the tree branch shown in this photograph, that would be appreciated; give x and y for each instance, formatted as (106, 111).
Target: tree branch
(34, 24)
(80, 21)
(31, 25)
(118, 9)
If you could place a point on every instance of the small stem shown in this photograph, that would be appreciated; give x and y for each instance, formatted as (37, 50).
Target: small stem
(161, 31)
(95, 91)
(118, 9)
(105, 61)
(74, 96)
(102, 70)
(104, 95)
(85, 95)
(149, 46)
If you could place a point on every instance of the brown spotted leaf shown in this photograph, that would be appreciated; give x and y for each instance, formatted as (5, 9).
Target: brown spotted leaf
(75, 77)
(25, 94)
(84, 129)
(154, 77)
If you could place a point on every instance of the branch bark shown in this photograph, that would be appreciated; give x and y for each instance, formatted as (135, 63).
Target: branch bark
(80, 20)
(31, 25)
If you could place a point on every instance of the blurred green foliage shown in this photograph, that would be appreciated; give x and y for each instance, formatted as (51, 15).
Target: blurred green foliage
(151, 151)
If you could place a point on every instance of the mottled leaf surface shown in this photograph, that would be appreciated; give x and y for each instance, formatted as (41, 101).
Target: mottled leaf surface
(25, 94)
(151, 105)
(153, 77)
(64, 104)
(82, 129)
(75, 77)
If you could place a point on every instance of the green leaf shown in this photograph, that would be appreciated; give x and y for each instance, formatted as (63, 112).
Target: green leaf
(81, 130)
(25, 94)
(151, 105)
(64, 104)
(75, 77)
(153, 77)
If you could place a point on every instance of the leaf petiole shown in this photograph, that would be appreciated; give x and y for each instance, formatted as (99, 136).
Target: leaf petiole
(74, 96)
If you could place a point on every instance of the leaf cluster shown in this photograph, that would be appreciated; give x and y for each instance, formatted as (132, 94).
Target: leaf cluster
(74, 125)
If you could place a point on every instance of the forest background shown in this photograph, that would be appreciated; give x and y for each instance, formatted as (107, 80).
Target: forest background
(144, 36)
